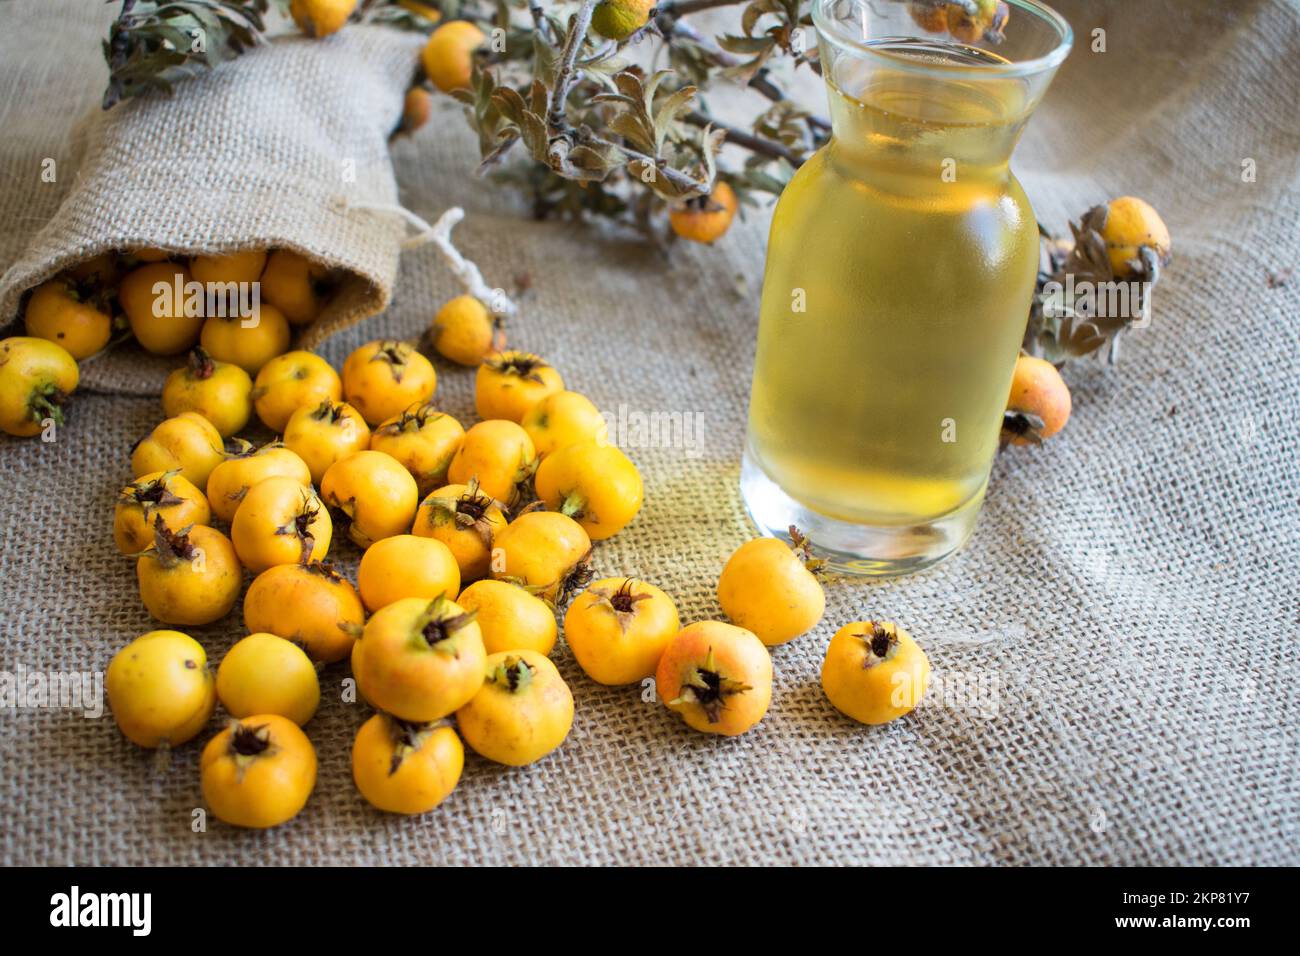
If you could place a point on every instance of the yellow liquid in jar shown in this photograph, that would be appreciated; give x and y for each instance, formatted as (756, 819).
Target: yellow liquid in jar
(912, 251)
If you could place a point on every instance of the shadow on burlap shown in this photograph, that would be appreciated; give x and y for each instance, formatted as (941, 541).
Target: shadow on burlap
(1128, 604)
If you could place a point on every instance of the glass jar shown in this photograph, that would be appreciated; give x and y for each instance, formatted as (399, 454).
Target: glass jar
(900, 268)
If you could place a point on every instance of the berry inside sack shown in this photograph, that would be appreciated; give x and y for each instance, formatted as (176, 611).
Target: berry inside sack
(274, 153)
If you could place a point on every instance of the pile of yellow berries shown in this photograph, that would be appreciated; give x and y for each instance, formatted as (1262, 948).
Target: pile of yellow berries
(473, 539)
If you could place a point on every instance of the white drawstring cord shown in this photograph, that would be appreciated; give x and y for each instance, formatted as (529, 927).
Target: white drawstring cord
(439, 234)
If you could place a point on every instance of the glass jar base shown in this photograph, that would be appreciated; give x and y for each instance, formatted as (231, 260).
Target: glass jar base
(850, 548)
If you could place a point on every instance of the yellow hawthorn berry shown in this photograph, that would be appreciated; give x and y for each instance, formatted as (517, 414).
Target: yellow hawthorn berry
(874, 672)
(423, 440)
(496, 454)
(986, 24)
(188, 443)
(160, 319)
(510, 617)
(320, 435)
(1130, 225)
(619, 19)
(320, 18)
(160, 689)
(407, 768)
(36, 378)
(595, 484)
(717, 677)
(370, 495)
(448, 55)
(1039, 404)
(248, 465)
(406, 565)
(619, 628)
(265, 674)
(562, 419)
(292, 381)
(247, 342)
(467, 521)
(766, 588)
(59, 313)
(148, 254)
(162, 494)
(522, 712)
(296, 286)
(280, 521)
(510, 383)
(189, 577)
(258, 772)
(245, 266)
(463, 331)
(546, 551)
(705, 218)
(309, 604)
(384, 377)
(416, 109)
(420, 660)
(220, 392)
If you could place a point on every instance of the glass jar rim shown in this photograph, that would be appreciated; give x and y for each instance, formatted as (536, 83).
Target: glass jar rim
(834, 31)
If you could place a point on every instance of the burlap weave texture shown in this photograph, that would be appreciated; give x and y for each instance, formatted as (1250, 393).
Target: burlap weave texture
(1130, 594)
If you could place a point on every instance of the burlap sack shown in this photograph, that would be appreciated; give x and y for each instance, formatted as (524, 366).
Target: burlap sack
(1127, 605)
(268, 151)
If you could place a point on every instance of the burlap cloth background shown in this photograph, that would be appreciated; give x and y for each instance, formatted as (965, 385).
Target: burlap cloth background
(1130, 595)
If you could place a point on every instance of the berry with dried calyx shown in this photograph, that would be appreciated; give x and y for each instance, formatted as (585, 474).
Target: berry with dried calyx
(619, 628)
(769, 588)
(1130, 225)
(189, 577)
(705, 218)
(1039, 404)
(325, 433)
(420, 660)
(424, 440)
(280, 521)
(402, 767)
(36, 378)
(544, 550)
(258, 772)
(522, 711)
(510, 383)
(978, 21)
(874, 672)
(467, 521)
(163, 494)
(220, 392)
(246, 466)
(717, 677)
